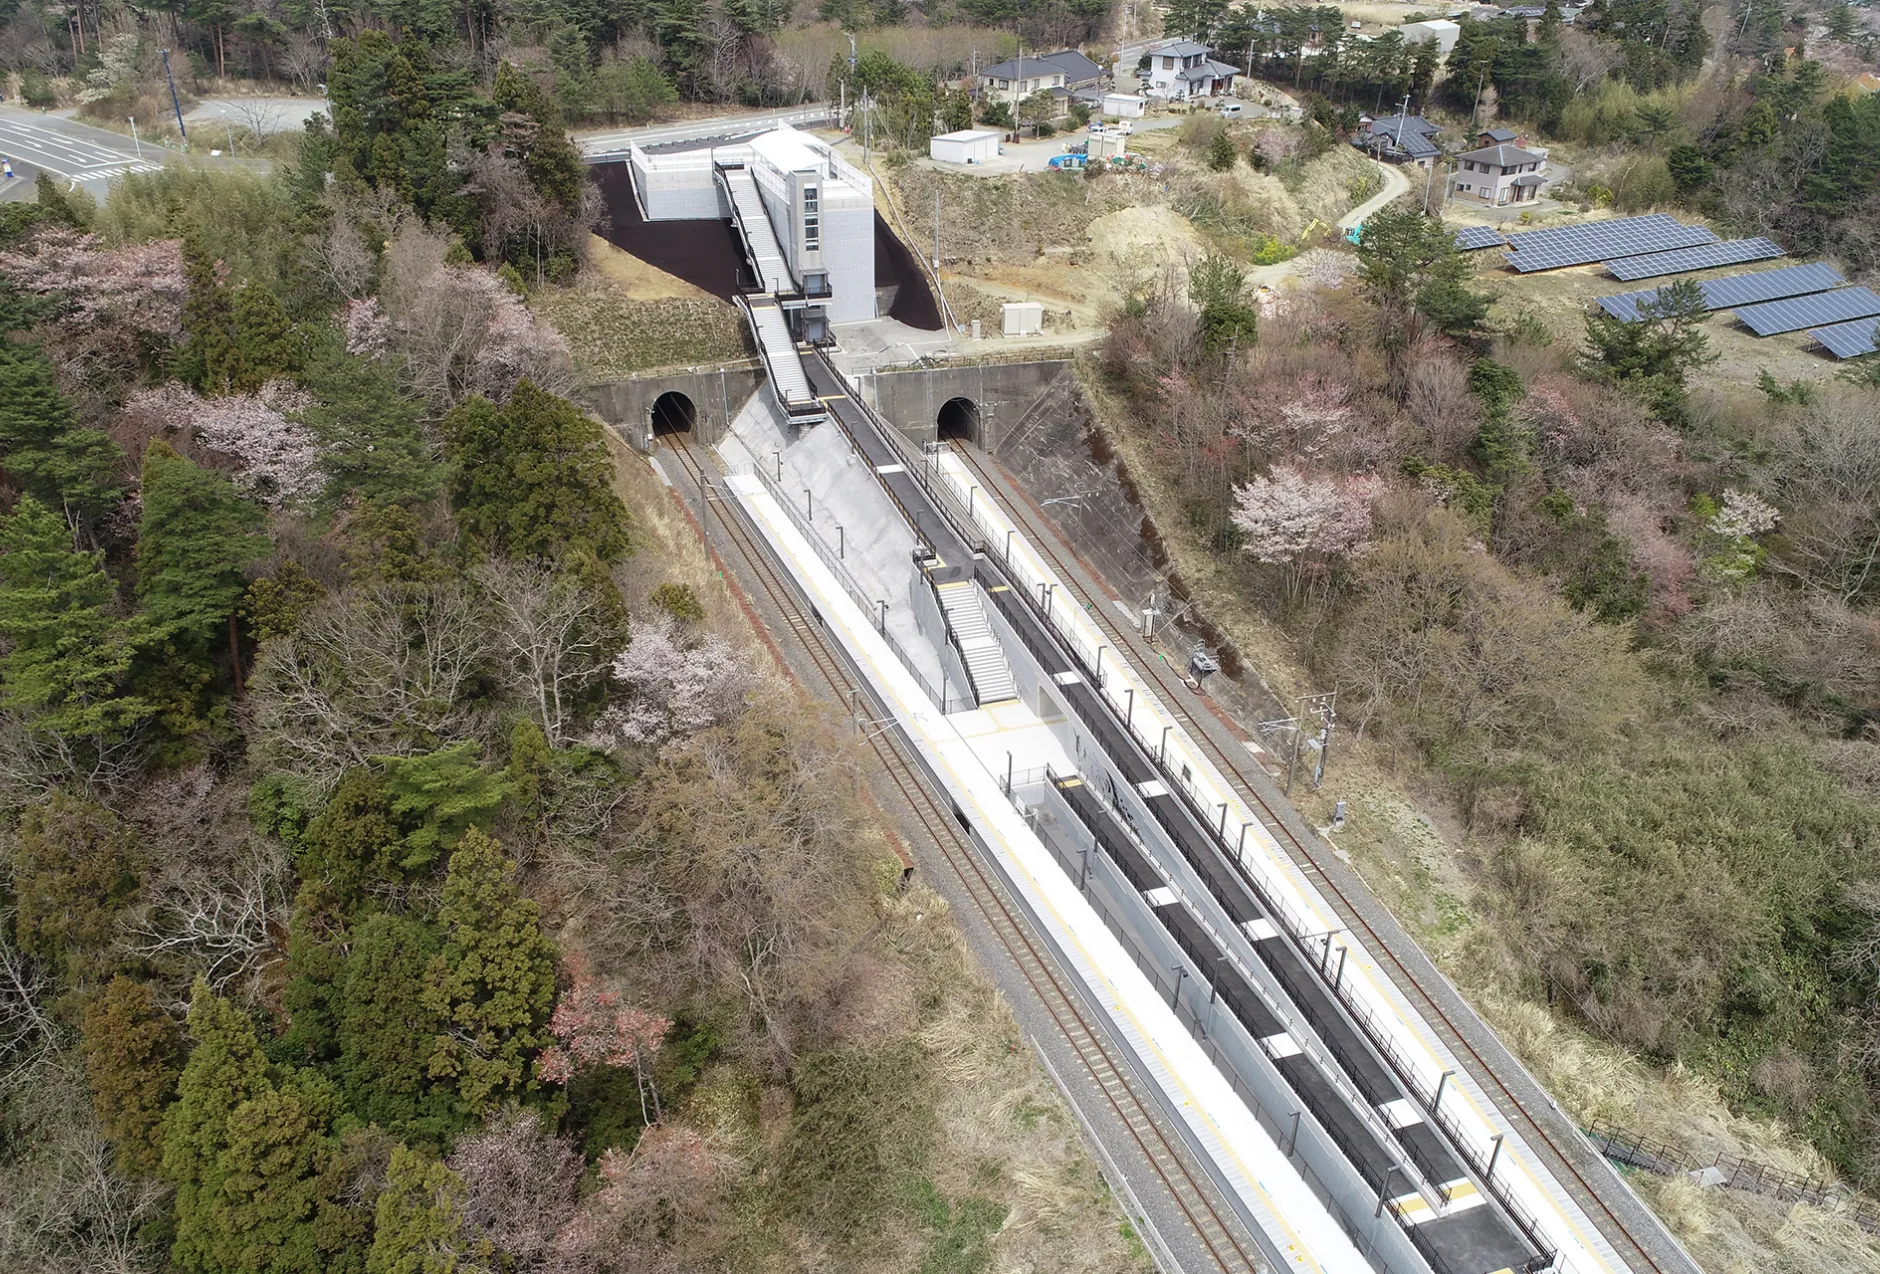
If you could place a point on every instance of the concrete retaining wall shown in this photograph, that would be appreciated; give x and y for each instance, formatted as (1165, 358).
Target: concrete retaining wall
(911, 398)
(716, 395)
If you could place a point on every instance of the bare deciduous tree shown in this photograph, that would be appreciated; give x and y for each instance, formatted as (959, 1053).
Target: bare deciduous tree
(552, 633)
(520, 1184)
(382, 670)
(197, 918)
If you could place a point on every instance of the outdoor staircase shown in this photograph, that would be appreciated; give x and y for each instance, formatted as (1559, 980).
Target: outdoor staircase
(971, 634)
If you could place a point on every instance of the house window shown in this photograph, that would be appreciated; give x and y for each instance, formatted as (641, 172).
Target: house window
(812, 221)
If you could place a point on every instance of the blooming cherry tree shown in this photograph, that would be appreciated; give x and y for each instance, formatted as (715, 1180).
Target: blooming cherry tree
(277, 458)
(593, 1027)
(674, 687)
(1293, 519)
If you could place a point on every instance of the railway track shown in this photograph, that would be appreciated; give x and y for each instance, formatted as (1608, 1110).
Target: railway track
(1045, 540)
(1110, 1075)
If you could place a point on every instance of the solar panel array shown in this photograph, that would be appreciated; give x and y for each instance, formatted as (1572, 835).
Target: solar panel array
(1601, 241)
(1737, 289)
(1848, 340)
(1819, 310)
(1470, 238)
(1705, 256)
(1527, 239)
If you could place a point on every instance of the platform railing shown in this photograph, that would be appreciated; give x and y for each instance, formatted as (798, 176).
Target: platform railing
(871, 607)
(1039, 595)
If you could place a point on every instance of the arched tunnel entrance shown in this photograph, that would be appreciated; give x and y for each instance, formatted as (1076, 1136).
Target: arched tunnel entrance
(673, 413)
(959, 418)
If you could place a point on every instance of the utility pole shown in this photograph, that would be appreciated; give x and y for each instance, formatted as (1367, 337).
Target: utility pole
(174, 104)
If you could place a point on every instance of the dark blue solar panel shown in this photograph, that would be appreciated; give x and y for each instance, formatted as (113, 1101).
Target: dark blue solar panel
(1604, 241)
(1819, 310)
(1736, 289)
(1848, 340)
(1470, 238)
(1703, 257)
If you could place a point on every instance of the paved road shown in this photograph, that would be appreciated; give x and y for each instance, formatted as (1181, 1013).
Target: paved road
(254, 114)
(1395, 183)
(75, 154)
(597, 147)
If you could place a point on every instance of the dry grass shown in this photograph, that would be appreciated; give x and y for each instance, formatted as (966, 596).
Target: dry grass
(612, 335)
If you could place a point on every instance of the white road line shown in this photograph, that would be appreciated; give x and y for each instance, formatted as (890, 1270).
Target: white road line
(63, 155)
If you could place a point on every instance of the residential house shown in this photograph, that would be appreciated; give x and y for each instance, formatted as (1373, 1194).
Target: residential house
(1497, 137)
(1065, 74)
(1399, 139)
(1177, 70)
(1498, 175)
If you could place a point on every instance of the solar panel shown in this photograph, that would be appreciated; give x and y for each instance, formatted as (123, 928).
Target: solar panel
(1737, 289)
(1586, 230)
(1470, 238)
(1703, 257)
(1819, 310)
(1848, 340)
(1632, 241)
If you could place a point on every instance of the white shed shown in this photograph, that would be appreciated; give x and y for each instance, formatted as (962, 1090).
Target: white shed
(1123, 105)
(1022, 318)
(968, 146)
(1441, 30)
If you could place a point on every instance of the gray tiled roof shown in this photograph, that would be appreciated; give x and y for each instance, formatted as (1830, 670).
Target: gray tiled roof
(1501, 156)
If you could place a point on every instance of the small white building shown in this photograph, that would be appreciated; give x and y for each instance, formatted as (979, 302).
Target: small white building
(1441, 31)
(1123, 105)
(1022, 318)
(968, 146)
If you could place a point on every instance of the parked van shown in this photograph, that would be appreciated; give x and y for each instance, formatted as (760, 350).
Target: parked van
(1230, 108)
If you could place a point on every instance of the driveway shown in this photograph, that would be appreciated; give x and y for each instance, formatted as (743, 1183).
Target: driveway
(1395, 184)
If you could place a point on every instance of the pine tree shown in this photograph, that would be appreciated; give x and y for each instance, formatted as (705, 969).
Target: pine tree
(265, 343)
(225, 1069)
(67, 657)
(494, 982)
(420, 1223)
(44, 450)
(438, 796)
(372, 438)
(133, 1054)
(534, 479)
(198, 538)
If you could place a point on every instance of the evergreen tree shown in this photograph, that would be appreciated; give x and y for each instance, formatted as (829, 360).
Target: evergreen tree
(67, 658)
(133, 1053)
(225, 1069)
(542, 143)
(386, 1032)
(1653, 355)
(420, 1224)
(264, 339)
(208, 358)
(534, 479)
(437, 797)
(275, 604)
(354, 845)
(494, 982)
(75, 867)
(284, 1184)
(372, 442)
(386, 544)
(45, 452)
(198, 539)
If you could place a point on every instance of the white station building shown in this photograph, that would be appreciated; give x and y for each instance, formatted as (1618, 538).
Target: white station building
(817, 211)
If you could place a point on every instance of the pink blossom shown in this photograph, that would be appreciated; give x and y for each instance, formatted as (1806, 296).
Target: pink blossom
(277, 458)
(139, 286)
(597, 1027)
(675, 687)
(368, 331)
(1287, 515)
